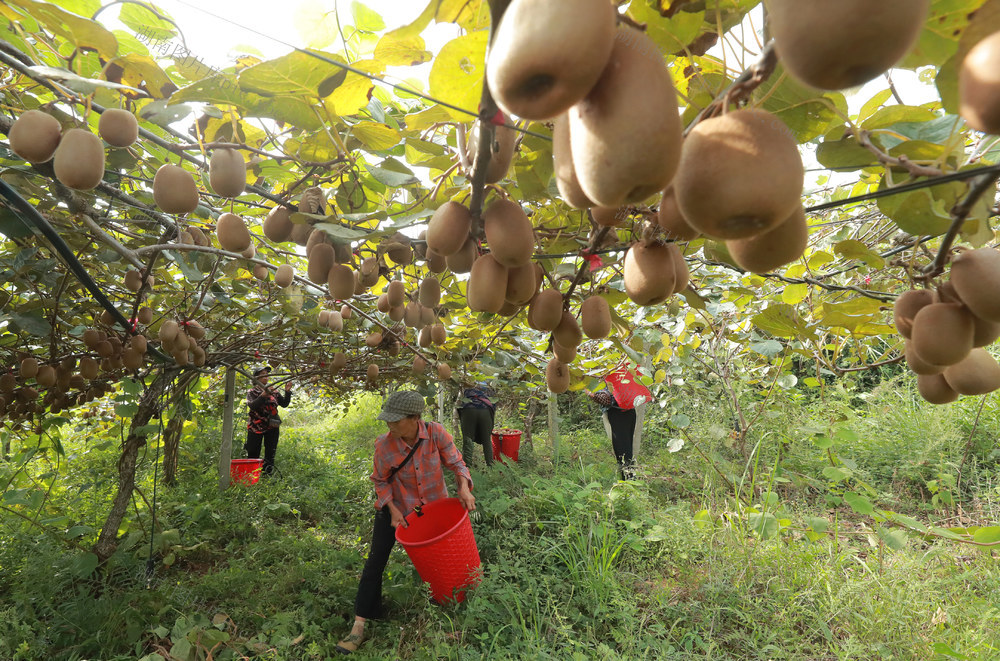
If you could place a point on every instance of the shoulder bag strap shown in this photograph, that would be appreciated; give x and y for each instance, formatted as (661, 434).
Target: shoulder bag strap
(409, 456)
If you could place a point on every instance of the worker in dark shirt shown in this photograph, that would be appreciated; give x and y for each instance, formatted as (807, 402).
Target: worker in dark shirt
(264, 422)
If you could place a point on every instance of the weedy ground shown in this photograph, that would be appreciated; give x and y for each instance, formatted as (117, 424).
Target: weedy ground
(712, 552)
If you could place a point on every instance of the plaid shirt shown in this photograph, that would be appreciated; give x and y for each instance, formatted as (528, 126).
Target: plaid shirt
(421, 480)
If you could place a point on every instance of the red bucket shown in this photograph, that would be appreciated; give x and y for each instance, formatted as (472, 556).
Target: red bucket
(245, 471)
(442, 547)
(506, 442)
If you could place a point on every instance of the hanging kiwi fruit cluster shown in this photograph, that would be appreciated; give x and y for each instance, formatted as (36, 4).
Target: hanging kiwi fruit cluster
(945, 330)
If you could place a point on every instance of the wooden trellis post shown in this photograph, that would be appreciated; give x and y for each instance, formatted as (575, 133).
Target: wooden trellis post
(226, 448)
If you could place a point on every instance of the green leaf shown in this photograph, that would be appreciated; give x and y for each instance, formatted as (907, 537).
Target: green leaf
(375, 136)
(894, 539)
(765, 525)
(987, 535)
(84, 565)
(340, 233)
(11, 224)
(457, 73)
(81, 32)
(680, 421)
(366, 19)
(823, 442)
(297, 74)
(858, 503)
(783, 321)
(769, 348)
(391, 178)
(852, 249)
(31, 322)
(818, 524)
(835, 474)
(188, 264)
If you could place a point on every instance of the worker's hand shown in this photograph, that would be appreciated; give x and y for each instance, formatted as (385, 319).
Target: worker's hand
(465, 496)
(288, 387)
(397, 519)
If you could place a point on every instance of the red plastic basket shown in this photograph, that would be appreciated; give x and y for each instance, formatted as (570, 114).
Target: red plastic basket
(245, 471)
(506, 442)
(442, 547)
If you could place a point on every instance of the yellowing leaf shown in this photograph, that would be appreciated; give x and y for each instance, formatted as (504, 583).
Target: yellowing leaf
(793, 294)
(355, 92)
(375, 136)
(457, 73)
(398, 48)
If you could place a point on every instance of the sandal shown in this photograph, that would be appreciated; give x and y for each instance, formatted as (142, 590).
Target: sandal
(351, 643)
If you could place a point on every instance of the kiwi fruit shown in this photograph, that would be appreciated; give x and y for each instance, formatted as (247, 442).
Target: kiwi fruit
(509, 233)
(942, 333)
(448, 229)
(317, 237)
(979, 85)
(168, 332)
(462, 261)
(545, 56)
(501, 151)
(625, 135)
(46, 376)
(436, 262)
(227, 172)
(8, 382)
(382, 303)
(396, 293)
(185, 238)
(339, 361)
(562, 162)
(182, 342)
(133, 280)
(975, 274)
(427, 316)
(782, 244)
(567, 332)
(546, 309)
(682, 276)
(438, 334)
(429, 293)
(139, 343)
(985, 332)
(373, 339)
(396, 313)
(565, 354)
(92, 336)
(368, 272)
(443, 371)
(132, 359)
(907, 306)
(424, 337)
(174, 190)
(145, 315)
(487, 285)
(346, 312)
(89, 368)
(670, 219)
(976, 374)
(411, 315)
(321, 260)
(28, 368)
(740, 175)
(198, 356)
(521, 284)
(916, 364)
(35, 136)
(278, 225)
(181, 357)
(118, 127)
(397, 248)
(609, 216)
(341, 282)
(79, 160)
(650, 276)
(595, 317)
(233, 233)
(260, 272)
(419, 365)
(557, 376)
(300, 233)
(934, 389)
(322, 318)
(843, 44)
(198, 237)
(284, 275)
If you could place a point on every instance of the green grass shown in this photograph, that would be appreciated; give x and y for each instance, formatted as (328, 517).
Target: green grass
(577, 564)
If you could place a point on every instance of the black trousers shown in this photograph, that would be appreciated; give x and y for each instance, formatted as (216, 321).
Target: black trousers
(477, 426)
(270, 440)
(368, 603)
(622, 431)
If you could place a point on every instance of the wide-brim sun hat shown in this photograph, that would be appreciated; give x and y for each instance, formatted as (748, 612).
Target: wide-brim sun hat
(262, 370)
(401, 404)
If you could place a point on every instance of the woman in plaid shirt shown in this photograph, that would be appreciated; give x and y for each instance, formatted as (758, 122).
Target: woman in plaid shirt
(409, 465)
